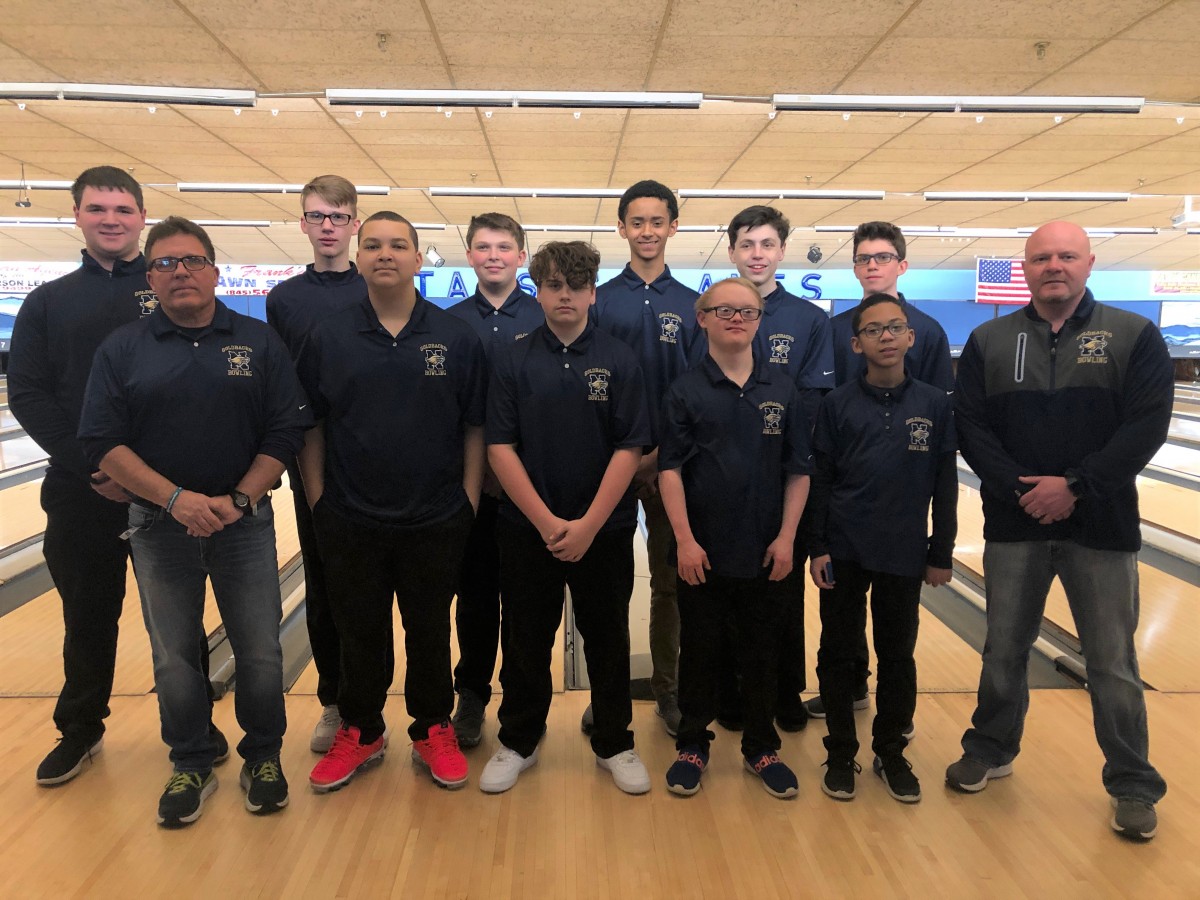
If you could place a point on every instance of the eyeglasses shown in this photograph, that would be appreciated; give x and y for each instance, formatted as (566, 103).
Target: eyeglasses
(748, 314)
(874, 330)
(170, 263)
(881, 259)
(312, 217)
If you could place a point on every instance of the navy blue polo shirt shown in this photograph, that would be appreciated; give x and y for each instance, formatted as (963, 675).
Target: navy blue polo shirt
(395, 410)
(928, 359)
(735, 447)
(517, 317)
(296, 305)
(567, 410)
(197, 405)
(884, 447)
(657, 320)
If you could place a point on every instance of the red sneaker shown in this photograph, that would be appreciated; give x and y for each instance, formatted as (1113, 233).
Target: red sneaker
(439, 753)
(344, 759)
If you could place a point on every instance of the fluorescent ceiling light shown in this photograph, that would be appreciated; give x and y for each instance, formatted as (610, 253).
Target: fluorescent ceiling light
(569, 227)
(932, 103)
(778, 194)
(233, 223)
(835, 229)
(35, 222)
(524, 192)
(37, 185)
(1021, 196)
(233, 187)
(132, 93)
(545, 99)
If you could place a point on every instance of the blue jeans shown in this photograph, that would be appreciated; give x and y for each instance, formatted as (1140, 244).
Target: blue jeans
(171, 569)
(1102, 589)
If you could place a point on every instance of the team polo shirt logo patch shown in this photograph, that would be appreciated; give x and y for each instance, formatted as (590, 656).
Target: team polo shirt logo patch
(521, 336)
(239, 360)
(147, 300)
(435, 358)
(598, 381)
(772, 414)
(919, 431)
(781, 347)
(1093, 346)
(671, 325)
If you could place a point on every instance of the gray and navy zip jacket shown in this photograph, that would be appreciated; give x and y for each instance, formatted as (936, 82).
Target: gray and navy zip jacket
(1093, 401)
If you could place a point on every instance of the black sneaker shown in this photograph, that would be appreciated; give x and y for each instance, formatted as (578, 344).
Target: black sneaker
(816, 709)
(266, 788)
(898, 778)
(67, 759)
(183, 798)
(838, 782)
(468, 719)
(1134, 819)
(222, 744)
(791, 717)
(587, 724)
(684, 775)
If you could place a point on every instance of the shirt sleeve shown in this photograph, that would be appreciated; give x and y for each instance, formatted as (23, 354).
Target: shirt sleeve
(945, 513)
(817, 371)
(308, 369)
(678, 437)
(502, 424)
(1146, 405)
(981, 446)
(630, 417)
(816, 510)
(286, 410)
(472, 395)
(105, 421)
(31, 388)
(797, 458)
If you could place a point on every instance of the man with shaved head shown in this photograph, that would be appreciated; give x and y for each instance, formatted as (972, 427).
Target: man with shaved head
(1059, 406)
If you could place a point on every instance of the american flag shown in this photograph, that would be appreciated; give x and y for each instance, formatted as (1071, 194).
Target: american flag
(1000, 281)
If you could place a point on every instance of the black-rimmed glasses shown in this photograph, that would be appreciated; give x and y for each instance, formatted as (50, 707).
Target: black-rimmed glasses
(881, 259)
(874, 330)
(170, 263)
(312, 217)
(748, 313)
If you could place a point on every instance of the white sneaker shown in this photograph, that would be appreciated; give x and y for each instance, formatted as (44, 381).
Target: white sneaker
(628, 771)
(327, 727)
(503, 769)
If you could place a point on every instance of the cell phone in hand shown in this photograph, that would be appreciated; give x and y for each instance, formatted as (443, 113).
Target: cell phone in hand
(829, 572)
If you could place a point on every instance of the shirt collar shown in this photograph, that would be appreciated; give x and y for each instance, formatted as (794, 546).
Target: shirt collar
(161, 325)
(760, 375)
(579, 345)
(772, 301)
(878, 393)
(484, 307)
(330, 279)
(121, 267)
(659, 284)
(416, 322)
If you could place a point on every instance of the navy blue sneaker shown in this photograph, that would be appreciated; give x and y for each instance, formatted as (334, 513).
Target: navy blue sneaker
(777, 779)
(684, 775)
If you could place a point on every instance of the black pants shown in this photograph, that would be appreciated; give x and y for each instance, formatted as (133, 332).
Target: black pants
(322, 630)
(87, 560)
(477, 614)
(895, 605)
(708, 613)
(531, 583)
(365, 567)
(790, 676)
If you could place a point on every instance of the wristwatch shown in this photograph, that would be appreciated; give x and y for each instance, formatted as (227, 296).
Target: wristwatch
(242, 501)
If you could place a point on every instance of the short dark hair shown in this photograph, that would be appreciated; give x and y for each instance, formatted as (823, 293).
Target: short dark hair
(869, 301)
(655, 190)
(107, 178)
(387, 215)
(334, 190)
(173, 225)
(496, 222)
(755, 217)
(881, 231)
(578, 262)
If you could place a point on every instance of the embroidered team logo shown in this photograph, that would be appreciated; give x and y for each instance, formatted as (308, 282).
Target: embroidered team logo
(1093, 346)
(239, 360)
(521, 336)
(147, 300)
(671, 325)
(598, 381)
(435, 358)
(781, 348)
(919, 432)
(772, 414)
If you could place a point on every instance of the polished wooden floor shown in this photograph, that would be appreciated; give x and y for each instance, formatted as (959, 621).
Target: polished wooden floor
(566, 831)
